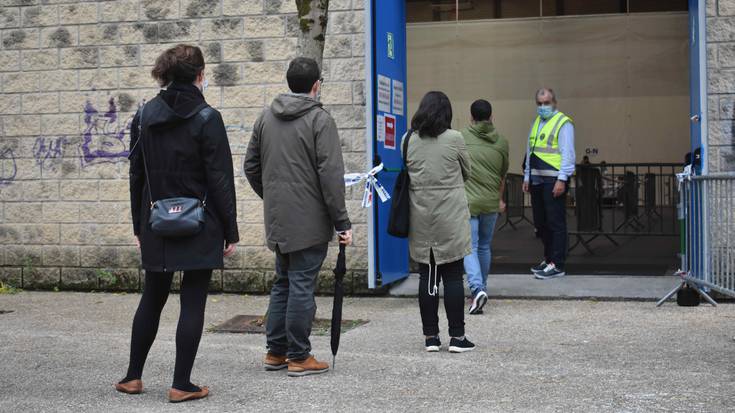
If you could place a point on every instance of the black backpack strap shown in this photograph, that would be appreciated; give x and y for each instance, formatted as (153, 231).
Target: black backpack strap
(405, 147)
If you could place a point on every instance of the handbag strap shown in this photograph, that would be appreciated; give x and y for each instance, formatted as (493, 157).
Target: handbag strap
(142, 150)
(405, 147)
(145, 163)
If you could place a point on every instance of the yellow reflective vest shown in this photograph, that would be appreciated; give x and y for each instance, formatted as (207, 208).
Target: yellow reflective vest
(545, 143)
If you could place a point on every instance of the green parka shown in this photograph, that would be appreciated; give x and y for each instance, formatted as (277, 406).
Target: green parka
(439, 215)
(489, 155)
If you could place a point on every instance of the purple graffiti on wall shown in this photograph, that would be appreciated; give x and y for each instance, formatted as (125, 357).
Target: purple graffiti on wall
(8, 167)
(104, 138)
(49, 151)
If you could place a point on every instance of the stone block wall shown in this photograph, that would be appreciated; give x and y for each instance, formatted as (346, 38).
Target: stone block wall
(73, 73)
(721, 84)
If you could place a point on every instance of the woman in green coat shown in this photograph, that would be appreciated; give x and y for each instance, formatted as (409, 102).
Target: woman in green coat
(439, 232)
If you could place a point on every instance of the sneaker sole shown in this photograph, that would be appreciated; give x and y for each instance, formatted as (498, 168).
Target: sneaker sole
(306, 373)
(453, 349)
(549, 277)
(477, 307)
(270, 367)
(432, 349)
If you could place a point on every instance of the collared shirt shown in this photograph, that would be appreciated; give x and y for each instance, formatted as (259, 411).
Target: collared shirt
(566, 147)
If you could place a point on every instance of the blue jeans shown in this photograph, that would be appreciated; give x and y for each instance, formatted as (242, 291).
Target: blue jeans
(292, 307)
(477, 265)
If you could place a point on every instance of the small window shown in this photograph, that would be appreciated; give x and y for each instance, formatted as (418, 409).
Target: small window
(643, 6)
(580, 7)
(446, 10)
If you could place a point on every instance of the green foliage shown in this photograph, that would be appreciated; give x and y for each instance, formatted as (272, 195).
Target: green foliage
(106, 276)
(8, 289)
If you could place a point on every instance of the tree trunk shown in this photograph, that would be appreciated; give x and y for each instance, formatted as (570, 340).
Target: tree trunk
(313, 25)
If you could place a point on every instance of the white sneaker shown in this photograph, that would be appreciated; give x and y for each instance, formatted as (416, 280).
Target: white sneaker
(478, 302)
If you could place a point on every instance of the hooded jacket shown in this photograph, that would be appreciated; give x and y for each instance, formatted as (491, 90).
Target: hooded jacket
(294, 163)
(439, 218)
(489, 154)
(187, 154)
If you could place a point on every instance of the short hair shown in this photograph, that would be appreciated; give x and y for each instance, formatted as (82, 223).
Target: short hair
(545, 90)
(434, 115)
(302, 73)
(481, 110)
(181, 63)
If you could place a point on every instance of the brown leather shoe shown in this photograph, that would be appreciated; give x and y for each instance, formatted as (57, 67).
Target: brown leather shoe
(131, 387)
(273, 362)
(299, 368)
(178, 396)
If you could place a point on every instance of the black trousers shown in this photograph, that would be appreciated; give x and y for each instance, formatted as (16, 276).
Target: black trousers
(453, 276)
(194, 288)
(550, 218)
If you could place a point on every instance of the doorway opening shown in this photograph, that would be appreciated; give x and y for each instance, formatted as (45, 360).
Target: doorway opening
(621, 71)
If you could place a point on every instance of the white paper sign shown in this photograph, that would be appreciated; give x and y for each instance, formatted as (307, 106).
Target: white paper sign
(384, 94)
(380, 127)
(397, 97)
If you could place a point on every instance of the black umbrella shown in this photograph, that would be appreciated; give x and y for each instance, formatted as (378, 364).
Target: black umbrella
(339, 291)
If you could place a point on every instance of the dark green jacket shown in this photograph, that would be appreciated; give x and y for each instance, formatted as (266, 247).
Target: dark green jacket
(489, 154)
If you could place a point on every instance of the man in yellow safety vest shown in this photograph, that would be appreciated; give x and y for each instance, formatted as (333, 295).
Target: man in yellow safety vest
(549, 166)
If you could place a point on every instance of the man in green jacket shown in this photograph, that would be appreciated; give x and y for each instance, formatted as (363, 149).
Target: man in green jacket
(489, 157)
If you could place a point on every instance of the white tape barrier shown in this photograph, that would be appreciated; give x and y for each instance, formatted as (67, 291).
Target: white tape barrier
(371, 184)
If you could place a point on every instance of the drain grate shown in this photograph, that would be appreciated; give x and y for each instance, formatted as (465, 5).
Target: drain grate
(5, 312)
(253, 324)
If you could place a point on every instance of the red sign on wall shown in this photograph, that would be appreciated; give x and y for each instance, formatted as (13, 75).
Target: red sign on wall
(390, 131)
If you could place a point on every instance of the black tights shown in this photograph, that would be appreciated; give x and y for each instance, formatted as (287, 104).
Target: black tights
(194, 288)
(452, 275)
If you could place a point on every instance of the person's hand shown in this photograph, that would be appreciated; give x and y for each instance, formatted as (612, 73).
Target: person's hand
(559, 188)
(525, 186)
(230, 249)
(345, 237)
(502, 206)
(137, 241)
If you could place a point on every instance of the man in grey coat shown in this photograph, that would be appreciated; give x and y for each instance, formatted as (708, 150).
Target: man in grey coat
(294, 162)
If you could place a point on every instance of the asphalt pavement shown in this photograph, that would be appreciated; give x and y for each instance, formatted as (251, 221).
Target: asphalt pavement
(63, 351)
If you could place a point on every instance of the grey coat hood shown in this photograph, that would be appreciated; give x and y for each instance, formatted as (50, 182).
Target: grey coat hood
(290, 106)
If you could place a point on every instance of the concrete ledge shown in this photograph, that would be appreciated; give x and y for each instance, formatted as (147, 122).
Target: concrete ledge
(611, 287)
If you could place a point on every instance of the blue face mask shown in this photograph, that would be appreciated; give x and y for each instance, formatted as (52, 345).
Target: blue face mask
(545, 111)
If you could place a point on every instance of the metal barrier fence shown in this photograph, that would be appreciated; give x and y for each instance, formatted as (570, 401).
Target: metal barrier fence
(707, 210)
(515, 201)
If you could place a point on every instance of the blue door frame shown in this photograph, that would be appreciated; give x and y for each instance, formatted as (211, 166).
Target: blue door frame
(385, 41)
(385, 57)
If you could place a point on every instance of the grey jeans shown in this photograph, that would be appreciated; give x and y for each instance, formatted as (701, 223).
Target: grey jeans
(292, 307)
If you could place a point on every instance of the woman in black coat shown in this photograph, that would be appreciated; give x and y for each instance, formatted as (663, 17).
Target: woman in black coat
(183, 149)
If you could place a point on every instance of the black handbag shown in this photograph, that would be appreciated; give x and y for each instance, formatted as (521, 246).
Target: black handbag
(398, 222)
(172, 217)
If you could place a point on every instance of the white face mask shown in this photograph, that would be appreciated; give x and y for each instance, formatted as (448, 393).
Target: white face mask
(205, 85)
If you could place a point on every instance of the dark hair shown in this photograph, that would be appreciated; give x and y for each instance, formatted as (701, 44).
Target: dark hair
(481, 110)
(302, 73)
(181, 63)
(434, 115)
